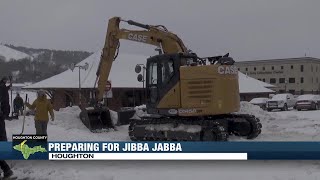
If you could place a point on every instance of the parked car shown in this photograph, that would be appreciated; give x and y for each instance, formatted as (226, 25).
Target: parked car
(308, 101)
(281, 101)
(261, 102)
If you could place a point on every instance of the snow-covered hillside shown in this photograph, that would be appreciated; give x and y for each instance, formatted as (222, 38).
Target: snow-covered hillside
(7, 54)
(277, 126)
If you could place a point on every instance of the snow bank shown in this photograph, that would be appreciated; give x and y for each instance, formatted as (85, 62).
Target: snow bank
(284, 125)
(68, 118)
(248, 108)
(114, 116)
(140, 111)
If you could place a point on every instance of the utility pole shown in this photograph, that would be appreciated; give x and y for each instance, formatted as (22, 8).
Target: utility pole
(85, 67)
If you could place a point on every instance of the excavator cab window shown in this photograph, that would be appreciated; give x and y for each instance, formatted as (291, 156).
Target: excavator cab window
(167, 71)
(153, 73)
(152, 81)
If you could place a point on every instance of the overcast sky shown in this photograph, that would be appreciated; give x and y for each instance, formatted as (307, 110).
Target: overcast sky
(248, 29)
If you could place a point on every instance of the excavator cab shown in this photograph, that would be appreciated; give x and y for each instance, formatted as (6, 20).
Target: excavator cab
(162, 76)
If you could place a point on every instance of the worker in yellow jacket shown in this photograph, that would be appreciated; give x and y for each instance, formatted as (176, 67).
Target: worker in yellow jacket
(42, 107)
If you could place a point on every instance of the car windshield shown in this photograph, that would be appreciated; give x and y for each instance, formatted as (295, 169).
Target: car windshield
(258, 100)
(279, 97)
(307, 97)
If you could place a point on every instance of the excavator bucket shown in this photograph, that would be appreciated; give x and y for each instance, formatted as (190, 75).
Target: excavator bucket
(96, 119)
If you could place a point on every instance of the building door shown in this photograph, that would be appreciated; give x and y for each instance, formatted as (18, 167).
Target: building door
(69, 101)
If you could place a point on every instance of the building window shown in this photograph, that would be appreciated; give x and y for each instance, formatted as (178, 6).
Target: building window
(301, 80)
(311, 68)
(292, 91)
(272, 67)
(263, 68)
(254, 68)
(238, 69)
(301, 68)
(291, 66)
(264, 80)
(302, 92)
(292, 80)
(281, 67)
(282, 80)
(272, 80)
(246, 69)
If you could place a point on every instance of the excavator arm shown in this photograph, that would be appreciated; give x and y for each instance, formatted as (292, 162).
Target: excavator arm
(154, 35)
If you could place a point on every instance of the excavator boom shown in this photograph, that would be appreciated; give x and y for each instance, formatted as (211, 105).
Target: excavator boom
(153, 35)
(98, 116)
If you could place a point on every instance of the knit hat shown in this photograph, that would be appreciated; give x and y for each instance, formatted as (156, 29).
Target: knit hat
(41, 92)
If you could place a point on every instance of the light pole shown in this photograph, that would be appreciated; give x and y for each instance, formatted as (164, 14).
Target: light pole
(85, 67)
(285, 86)
(141, 77)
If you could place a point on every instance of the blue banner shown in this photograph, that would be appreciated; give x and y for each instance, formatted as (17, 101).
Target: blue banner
(254, 150)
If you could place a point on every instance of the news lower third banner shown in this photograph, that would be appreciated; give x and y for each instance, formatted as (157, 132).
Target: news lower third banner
(30, 147)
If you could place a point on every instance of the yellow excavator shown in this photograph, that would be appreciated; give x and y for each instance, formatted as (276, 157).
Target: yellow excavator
(188, 98)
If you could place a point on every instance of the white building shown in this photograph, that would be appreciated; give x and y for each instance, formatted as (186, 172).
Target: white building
(127, 91)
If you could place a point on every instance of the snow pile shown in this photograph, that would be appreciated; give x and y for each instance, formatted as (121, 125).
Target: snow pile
(68, 118)
(114, 116)
(284, 125)
(248, 108)
(7, 54)
(140, 112)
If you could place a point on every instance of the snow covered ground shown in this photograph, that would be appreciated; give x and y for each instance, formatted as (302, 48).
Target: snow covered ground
(9, 53)
(277, 126)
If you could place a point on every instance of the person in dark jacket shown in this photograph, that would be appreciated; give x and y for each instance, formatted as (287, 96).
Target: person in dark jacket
(4, 96)
(4, 112)
(18, 104)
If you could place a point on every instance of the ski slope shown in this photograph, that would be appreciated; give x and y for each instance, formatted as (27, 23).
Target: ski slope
(277, 126)
(9, 53)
